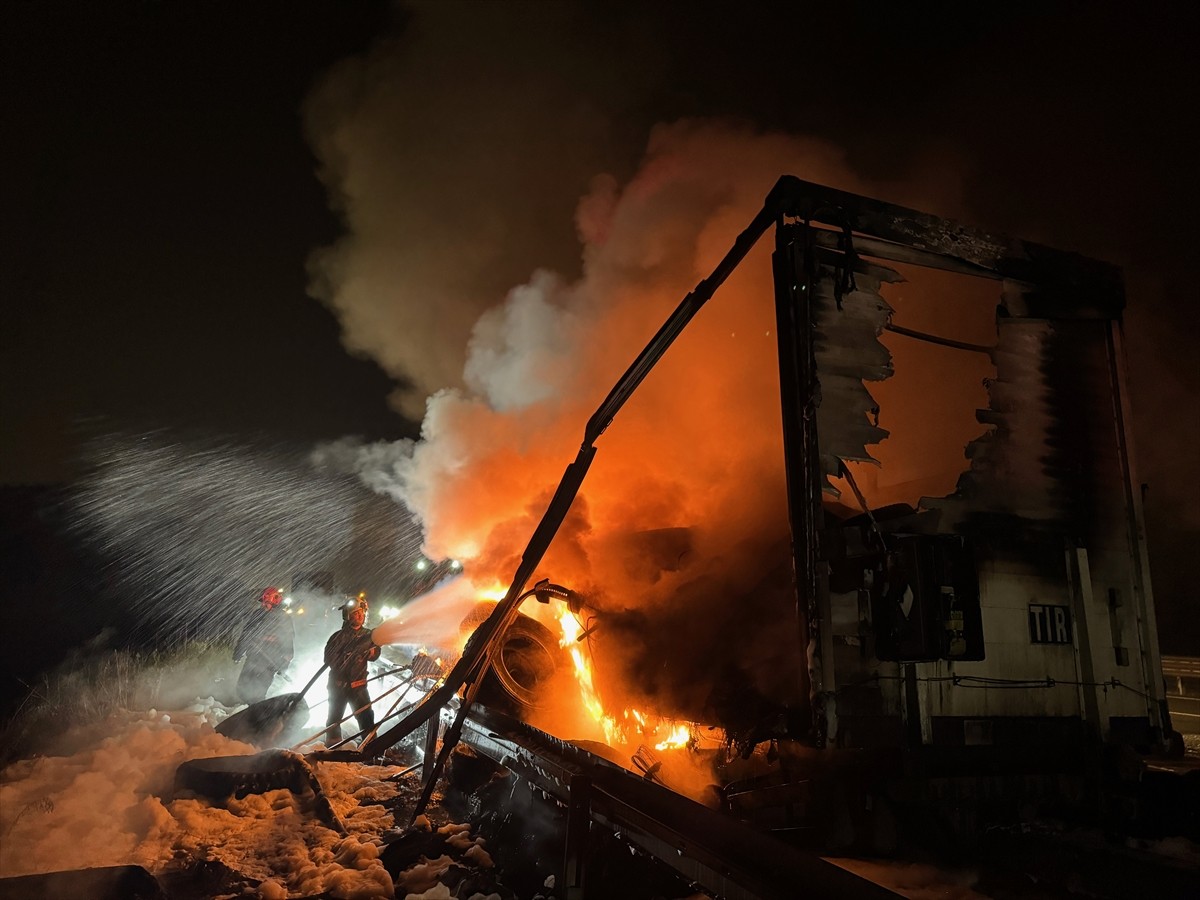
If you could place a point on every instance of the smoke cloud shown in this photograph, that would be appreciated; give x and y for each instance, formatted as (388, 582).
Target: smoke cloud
(680, 532)
(506, 314)
(457, 174)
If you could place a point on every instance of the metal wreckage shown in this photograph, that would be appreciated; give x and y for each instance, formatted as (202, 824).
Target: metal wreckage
(969, 657)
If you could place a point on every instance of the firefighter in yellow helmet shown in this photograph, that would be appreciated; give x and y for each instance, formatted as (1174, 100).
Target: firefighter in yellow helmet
(347, 653)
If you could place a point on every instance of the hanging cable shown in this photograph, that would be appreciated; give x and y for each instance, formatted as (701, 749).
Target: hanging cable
(845, 472)
(934, 339)
(984, 682)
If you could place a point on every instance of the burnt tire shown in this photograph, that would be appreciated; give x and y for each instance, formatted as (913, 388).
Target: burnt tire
(529, 657)
(221, 777)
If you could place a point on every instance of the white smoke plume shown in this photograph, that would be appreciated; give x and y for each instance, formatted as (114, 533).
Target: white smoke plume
(456, 173)
(507, 254)
(682, 517)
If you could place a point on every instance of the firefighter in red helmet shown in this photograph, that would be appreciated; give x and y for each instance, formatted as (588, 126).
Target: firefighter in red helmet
(267, 642)
(347, 653)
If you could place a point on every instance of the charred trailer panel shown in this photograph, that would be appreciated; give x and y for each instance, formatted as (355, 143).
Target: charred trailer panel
(925, 607)
(1012, 621)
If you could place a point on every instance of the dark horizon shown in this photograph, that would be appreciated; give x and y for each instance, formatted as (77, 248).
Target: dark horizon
(159, 226)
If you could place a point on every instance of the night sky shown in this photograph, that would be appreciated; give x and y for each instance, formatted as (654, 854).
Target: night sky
(160, 203)
(161, 191)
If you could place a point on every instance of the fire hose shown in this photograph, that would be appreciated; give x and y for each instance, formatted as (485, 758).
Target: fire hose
(366, 706)
(392, 713)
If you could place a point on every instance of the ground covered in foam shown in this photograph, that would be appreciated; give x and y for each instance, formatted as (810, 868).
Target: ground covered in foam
(107, 797)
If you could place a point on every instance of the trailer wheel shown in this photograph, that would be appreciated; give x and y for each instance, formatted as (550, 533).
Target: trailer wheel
(528, 658)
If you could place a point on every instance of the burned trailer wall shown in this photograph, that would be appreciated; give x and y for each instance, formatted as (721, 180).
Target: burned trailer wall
(1048, 502)
(853, 643)
(848, 313)
(1016, 612)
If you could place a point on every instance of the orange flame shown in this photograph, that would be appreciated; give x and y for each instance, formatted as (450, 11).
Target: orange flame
(680, 736)
(496, 592)
(615, 733)
(571, 630)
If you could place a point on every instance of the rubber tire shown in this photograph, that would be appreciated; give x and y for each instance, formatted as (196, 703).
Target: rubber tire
(529, 657)
(221, 777)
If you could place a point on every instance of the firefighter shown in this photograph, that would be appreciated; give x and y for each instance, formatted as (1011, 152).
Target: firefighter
(347, 653)
(267, 643)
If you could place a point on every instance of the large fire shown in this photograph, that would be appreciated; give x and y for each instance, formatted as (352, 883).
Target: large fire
(633, 727)
(680, 530)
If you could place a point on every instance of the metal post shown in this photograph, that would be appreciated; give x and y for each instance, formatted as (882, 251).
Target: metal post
(795, 279)
(579, 822)
(433, 728)
(1079, 584)
(913, 729)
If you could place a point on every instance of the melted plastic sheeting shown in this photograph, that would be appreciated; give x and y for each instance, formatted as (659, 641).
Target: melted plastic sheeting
(848, 353)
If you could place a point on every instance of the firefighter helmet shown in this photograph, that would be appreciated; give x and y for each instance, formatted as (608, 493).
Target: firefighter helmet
(272, 597)
(355, 602)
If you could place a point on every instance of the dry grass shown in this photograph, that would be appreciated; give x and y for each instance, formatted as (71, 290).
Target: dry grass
(87, 690)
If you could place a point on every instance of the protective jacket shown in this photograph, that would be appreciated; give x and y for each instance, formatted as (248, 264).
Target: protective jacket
(347, 652)
(267, 640)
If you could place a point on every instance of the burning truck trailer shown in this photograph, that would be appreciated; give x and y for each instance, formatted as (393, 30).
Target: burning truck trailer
(956, 664)
(975, 656)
